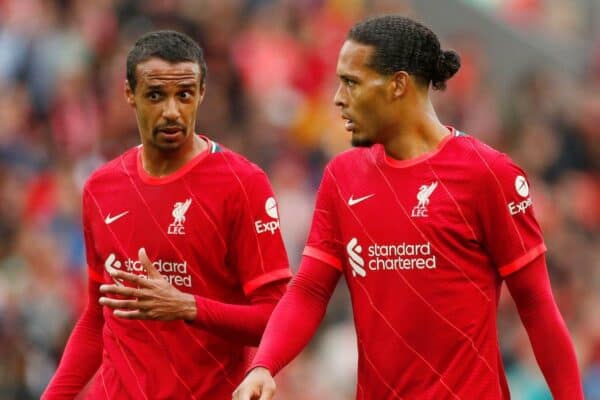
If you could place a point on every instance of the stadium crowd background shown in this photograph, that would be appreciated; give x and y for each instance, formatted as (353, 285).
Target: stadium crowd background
(269, 96)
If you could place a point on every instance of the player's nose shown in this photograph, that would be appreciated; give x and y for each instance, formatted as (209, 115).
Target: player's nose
(171, 110)
(338, 98)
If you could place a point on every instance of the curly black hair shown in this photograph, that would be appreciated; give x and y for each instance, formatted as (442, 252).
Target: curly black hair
(402, 44)
(171, 46)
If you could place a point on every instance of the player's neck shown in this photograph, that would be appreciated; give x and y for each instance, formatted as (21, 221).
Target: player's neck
(159, 163)
(417, 136)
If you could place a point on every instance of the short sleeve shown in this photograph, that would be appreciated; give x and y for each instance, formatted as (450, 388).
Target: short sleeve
(324, 241)
(257, 249)
(511, 234)
(95, 268)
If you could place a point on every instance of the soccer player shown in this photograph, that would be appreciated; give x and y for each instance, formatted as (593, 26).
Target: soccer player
(184, 251)
(425, 223)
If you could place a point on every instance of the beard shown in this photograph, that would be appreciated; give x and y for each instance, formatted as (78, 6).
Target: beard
(361, 142)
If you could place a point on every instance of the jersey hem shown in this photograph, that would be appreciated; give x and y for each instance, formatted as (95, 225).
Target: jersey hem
(323, 256)
(269, 277)
(522, 261)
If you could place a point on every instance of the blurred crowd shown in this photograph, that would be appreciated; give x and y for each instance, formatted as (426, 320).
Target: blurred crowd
(271, 80)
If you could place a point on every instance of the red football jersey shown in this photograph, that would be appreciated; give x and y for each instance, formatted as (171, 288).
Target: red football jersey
(424, 245)
(212, 229)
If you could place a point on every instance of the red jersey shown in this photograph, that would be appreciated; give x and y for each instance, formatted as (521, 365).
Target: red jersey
(424, 245)
(211, 229)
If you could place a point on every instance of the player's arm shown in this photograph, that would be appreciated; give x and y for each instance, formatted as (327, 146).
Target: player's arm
(548, 334)
(83, 352)
(241, 323)
(300, 311)
(151, 297)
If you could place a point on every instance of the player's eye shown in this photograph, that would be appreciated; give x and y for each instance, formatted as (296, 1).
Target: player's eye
(186, 95)
(348, 82)
(153, 96)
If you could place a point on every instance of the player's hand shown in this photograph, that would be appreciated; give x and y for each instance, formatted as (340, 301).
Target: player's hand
(151, 297)
(258, 385)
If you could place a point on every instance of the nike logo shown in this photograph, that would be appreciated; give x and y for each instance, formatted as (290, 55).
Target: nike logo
(109, 220)
(352, 201)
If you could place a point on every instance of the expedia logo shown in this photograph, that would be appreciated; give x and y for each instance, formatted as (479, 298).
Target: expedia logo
(268, 226)
(176, 273)
(522, 189)
(389, 257)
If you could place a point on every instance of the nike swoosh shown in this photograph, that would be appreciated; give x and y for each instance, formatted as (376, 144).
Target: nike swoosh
(109, 220)
(352, 201)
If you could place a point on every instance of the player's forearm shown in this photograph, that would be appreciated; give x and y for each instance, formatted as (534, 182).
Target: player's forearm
(82, 354)
(297, 316)
(240, 323)
(555, 356)
(243, 323)
(547, 331)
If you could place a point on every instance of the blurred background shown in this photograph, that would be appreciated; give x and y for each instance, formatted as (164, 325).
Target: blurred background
(529, 85)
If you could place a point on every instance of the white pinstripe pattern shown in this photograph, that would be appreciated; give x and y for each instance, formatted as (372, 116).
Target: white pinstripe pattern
(462, 215)
(104, 384)
(406, 214)
(381, 378)
(374, 307)
(501, 191)
(117, 341)
(247, 198)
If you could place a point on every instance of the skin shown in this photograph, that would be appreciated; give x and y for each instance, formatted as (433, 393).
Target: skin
(147, 297)
(165, 101)
(392, 110)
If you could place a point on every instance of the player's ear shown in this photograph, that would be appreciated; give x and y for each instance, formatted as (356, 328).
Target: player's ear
(129, 95)
(399, 83)
(201, 92)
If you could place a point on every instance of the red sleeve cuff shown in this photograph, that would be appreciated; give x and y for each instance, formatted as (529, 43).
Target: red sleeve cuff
(522, 261)
(323, 256)
(250, 286)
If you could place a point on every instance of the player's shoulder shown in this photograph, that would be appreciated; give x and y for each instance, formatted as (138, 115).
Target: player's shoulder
(233, 162)
(354, 159)
(113, 169)
(483, 159)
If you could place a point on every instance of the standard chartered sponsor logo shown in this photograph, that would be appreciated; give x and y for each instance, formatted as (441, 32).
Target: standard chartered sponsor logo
(389, 257)
(356, 261)
(176, 273)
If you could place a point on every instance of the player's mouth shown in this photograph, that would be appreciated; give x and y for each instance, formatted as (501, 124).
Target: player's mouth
(349, 123)
(171, 131)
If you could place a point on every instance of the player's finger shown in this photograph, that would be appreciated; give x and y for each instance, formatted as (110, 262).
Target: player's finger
(245, 392)
(131, 314)
(133, 278)
(114, 303)
(267, 393)
(147, 264)
(120, 290)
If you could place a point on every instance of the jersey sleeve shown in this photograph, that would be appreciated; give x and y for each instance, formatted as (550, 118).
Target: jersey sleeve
(324, 241)
(94, 266)
(257, 249)
(511, 234)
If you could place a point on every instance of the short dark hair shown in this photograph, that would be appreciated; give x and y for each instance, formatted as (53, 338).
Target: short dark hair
(402, 44)
(167, 45)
